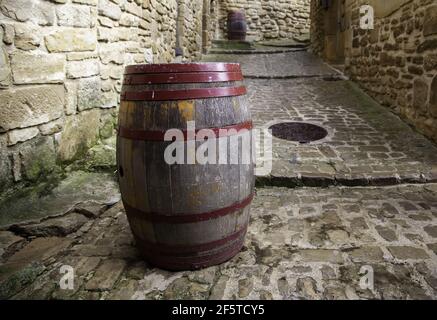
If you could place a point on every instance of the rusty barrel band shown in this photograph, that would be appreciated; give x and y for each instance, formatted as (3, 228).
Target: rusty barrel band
(176, 78)
(187, 218)
(173, 263)
(158, 135)
(183, 67)
(184, 94)
(182, 250)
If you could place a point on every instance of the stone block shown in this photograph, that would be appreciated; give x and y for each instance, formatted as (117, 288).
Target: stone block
(430, 62)
(112, 52)
(74, 16)
(38, 157)
(431, 230)
(8, 33)
(5, 70)
(405, 252)
(420, 94)
(135, 9)
(8, 239)
(61, 226)
(430, 22)
(32, 106)
(40, 249)
(109, 9)
(41, 12)
(89, 94)
(106, 275)
(21, 135)
(29, 67)
(70, 39)
(52, 127)
(80, 133)
(320, 255)
(27, 36)
(83, 69)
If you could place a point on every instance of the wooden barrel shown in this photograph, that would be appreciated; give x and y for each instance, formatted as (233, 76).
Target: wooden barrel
(237, 26)
(188, 214)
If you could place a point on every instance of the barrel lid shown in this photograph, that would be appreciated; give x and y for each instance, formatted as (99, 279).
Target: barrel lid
(183, 67)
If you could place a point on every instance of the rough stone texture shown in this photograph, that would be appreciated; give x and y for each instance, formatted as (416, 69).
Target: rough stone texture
(27, 36)
(74, 193)
(82, 69)
(32, 106)
(52, 227)
(5, 70)
(279, 260)
(75, 16)
(38, 158)
(82, 45)
(20, 135)
(79, 134)
(68, 40)
(395, 62)
(24, 10)
(8, 242)
(37, 68)
(360, 148)
(265, 19)
(89, 94)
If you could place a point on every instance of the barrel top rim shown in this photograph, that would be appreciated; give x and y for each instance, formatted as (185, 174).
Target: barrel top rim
(183, 67)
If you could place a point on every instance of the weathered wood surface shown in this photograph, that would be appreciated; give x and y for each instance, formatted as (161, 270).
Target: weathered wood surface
(150, 187)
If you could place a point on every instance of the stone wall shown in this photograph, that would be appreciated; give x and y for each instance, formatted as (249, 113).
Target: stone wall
(396, 62)
(61, 66)
(190, 28)
(267, 19)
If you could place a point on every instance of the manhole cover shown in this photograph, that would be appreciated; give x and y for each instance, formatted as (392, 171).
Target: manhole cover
(298, 131)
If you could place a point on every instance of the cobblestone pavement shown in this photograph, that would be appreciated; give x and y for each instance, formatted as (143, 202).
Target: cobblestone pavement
(289, 64)
(366, 145)
(305, 243)
(319, 242)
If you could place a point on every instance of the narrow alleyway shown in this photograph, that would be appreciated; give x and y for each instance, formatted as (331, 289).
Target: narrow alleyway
(366, 195)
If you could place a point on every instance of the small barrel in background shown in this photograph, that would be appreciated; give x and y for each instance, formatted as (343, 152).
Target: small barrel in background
(237, 26)
(184, 216)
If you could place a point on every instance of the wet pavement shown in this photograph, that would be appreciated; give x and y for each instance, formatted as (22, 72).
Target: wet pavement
(366, 145)
(305, 243)
(352, 216)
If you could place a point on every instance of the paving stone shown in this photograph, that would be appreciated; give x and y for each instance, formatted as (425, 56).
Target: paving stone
(40, 249)
(433, 247)
(307, 289)
(354, 122)
(245, 287)
(431, 231)
(8, 241)
(61, 226)
(218, 290)
(17, 278)
(405, 252)
(125, 290)
(302, 242)
(387, 233)
(106, 275)
(182, 288)
(320, 255)
(91, 209)
(90, 250)
(367, 254)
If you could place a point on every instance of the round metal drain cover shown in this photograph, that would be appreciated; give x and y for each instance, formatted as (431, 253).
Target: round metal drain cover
(298, 131)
